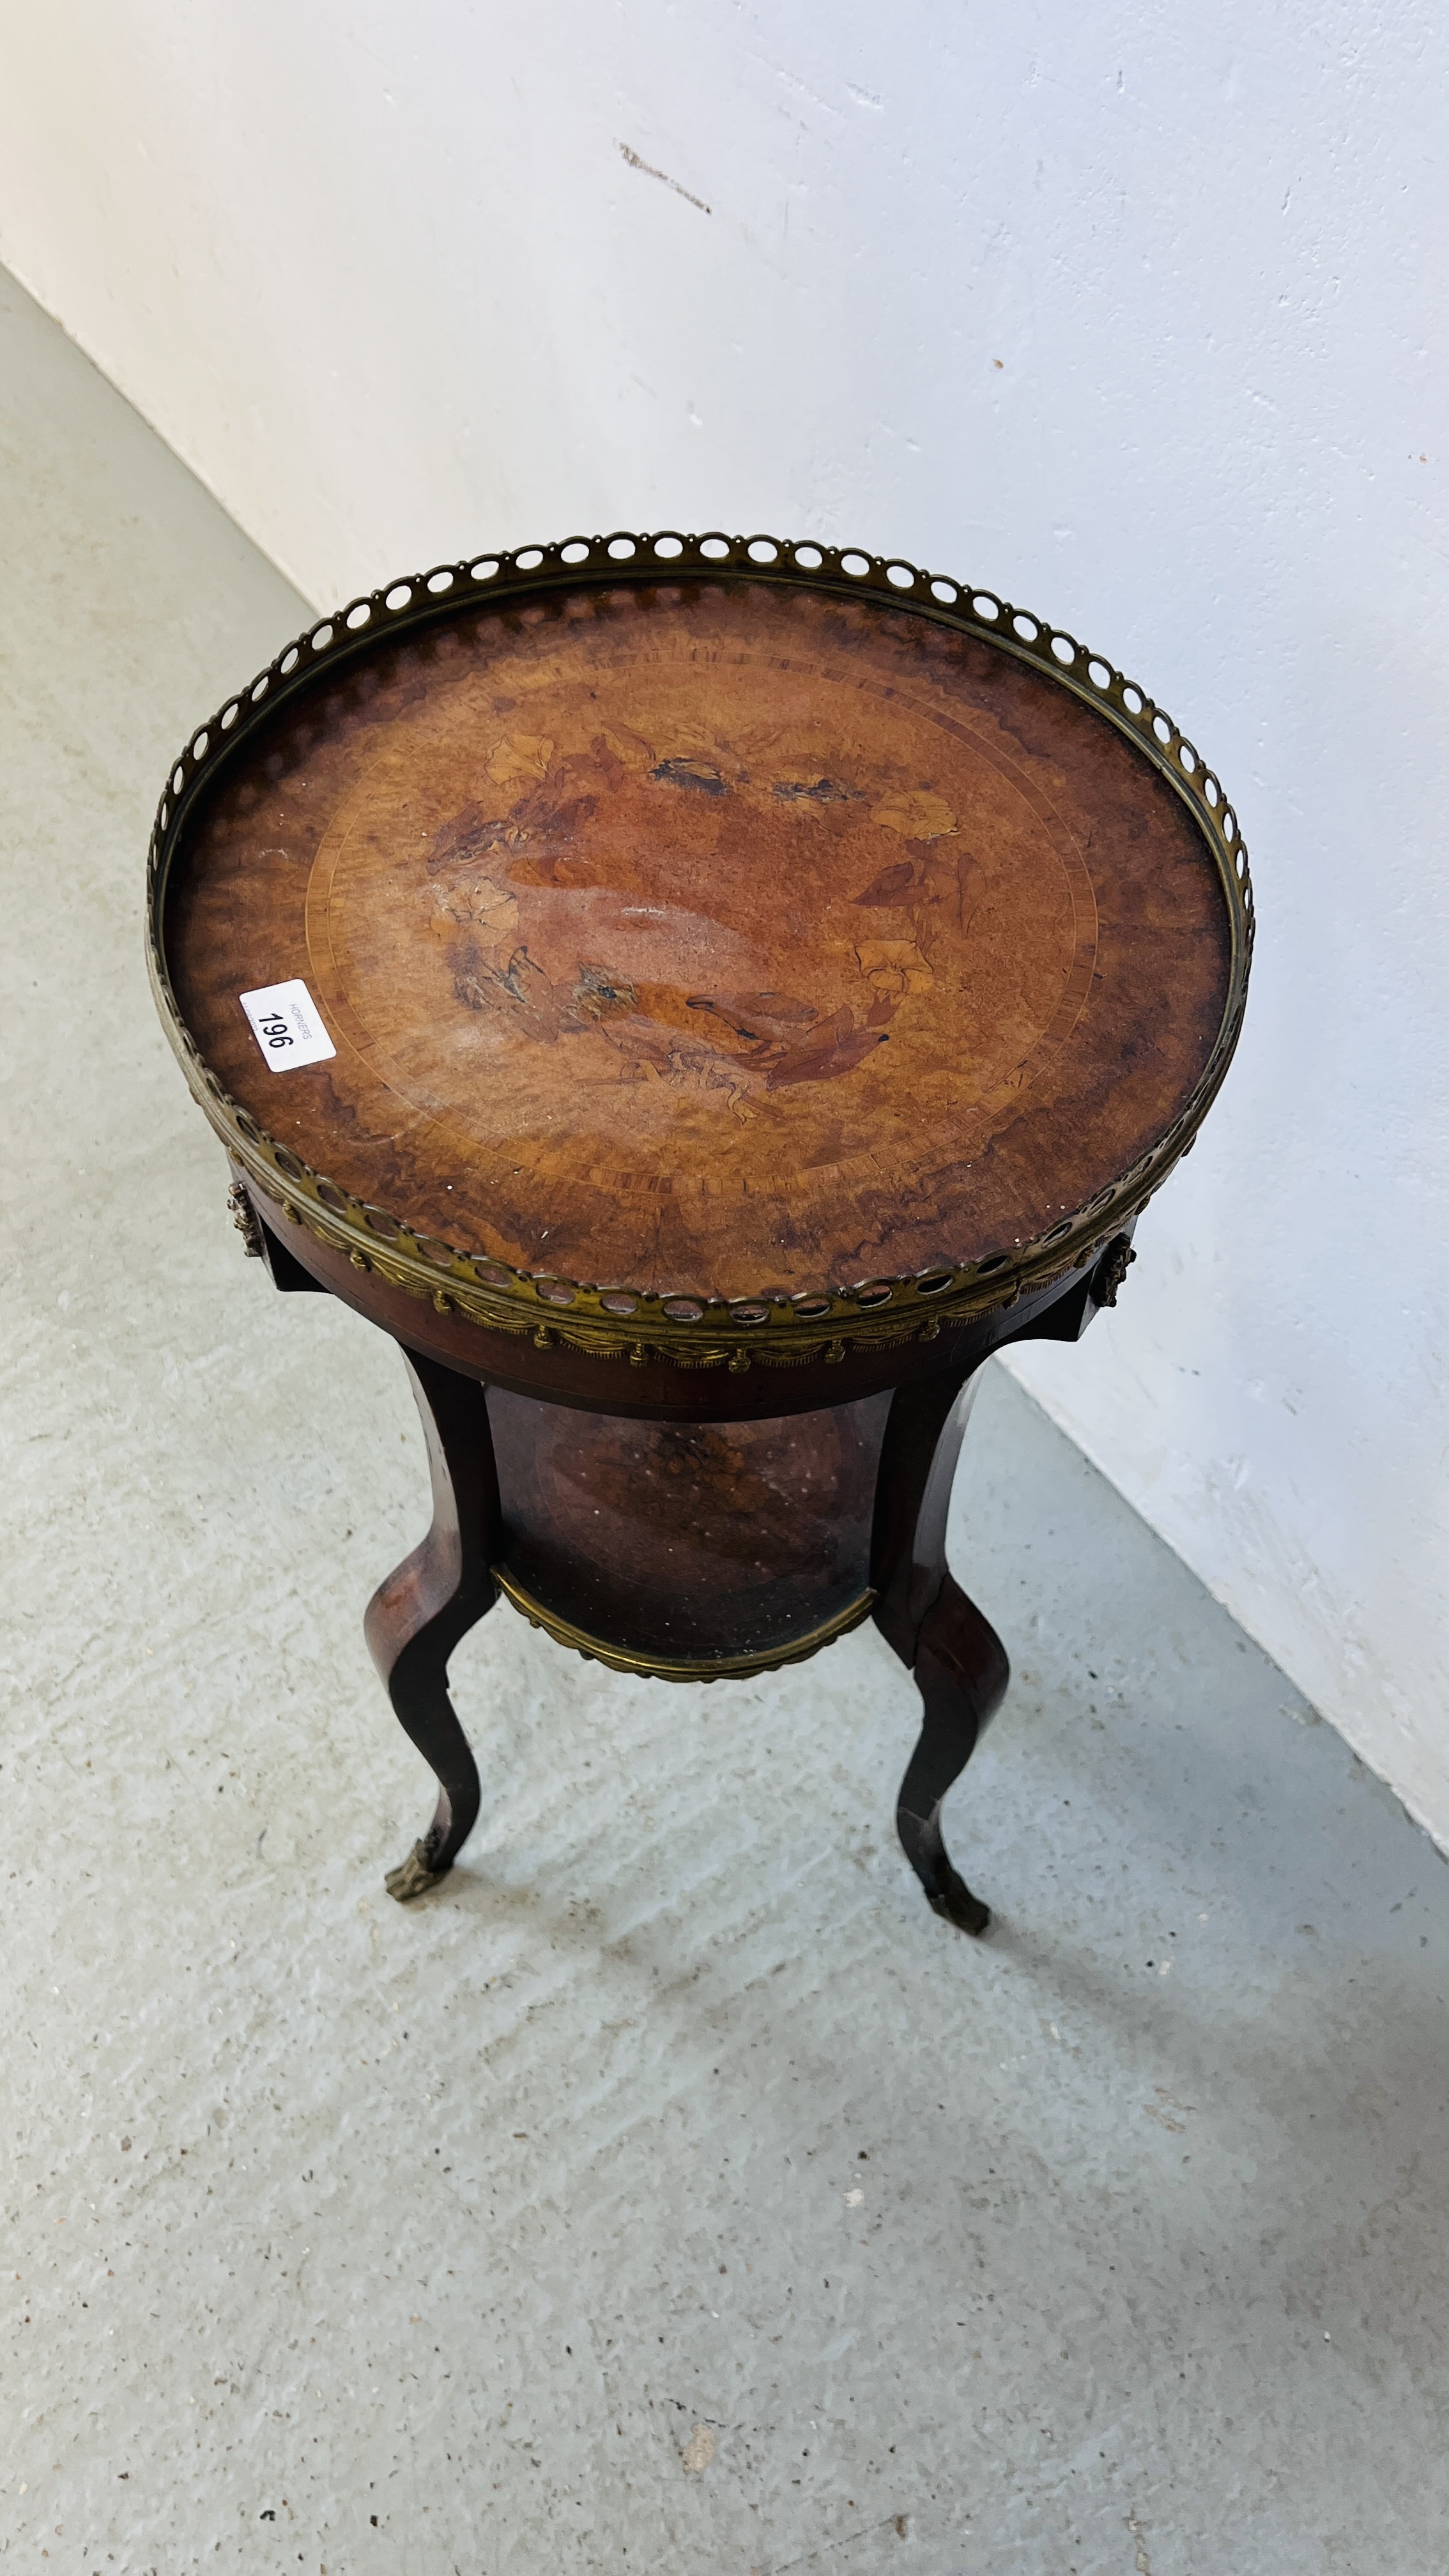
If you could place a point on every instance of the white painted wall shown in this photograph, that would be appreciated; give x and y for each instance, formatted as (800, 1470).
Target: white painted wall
(1133, 311)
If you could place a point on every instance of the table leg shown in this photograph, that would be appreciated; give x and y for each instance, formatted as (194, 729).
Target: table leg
(957, 1659)
(961, 1672)
(417, 1616)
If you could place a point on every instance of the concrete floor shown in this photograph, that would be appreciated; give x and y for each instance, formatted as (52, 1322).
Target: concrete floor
(343, 2237)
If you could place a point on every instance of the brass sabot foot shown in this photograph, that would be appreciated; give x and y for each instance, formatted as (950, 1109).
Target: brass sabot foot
(414, 1876)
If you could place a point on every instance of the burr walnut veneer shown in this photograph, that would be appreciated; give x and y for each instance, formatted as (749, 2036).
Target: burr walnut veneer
(762, 982)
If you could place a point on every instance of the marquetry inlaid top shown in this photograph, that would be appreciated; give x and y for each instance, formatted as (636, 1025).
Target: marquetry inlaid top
(711, 937)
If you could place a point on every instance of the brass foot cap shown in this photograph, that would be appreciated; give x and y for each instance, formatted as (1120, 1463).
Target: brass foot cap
(414, 1876)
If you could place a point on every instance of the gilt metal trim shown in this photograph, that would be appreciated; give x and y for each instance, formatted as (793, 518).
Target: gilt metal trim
(415, 1875)
(641, 1326)
(244, 1218)
(1112, 1271)
(680, 1668)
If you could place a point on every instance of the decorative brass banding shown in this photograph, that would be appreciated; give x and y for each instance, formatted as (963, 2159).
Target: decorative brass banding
(619, 1321)
(681, 1668)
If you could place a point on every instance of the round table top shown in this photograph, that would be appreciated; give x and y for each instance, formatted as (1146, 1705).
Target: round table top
(706, 937)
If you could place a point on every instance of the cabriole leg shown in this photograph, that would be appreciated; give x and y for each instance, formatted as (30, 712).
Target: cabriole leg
(418, 1615)
(957, 1659)
(961, 1672)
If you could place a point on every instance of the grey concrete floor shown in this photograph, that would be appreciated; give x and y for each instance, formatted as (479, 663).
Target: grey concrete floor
(671, 2190)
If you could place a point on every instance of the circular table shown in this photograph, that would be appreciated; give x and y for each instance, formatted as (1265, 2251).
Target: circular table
(701, 996)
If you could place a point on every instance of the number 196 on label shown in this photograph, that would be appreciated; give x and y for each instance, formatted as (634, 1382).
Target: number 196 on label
(287, 1025)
